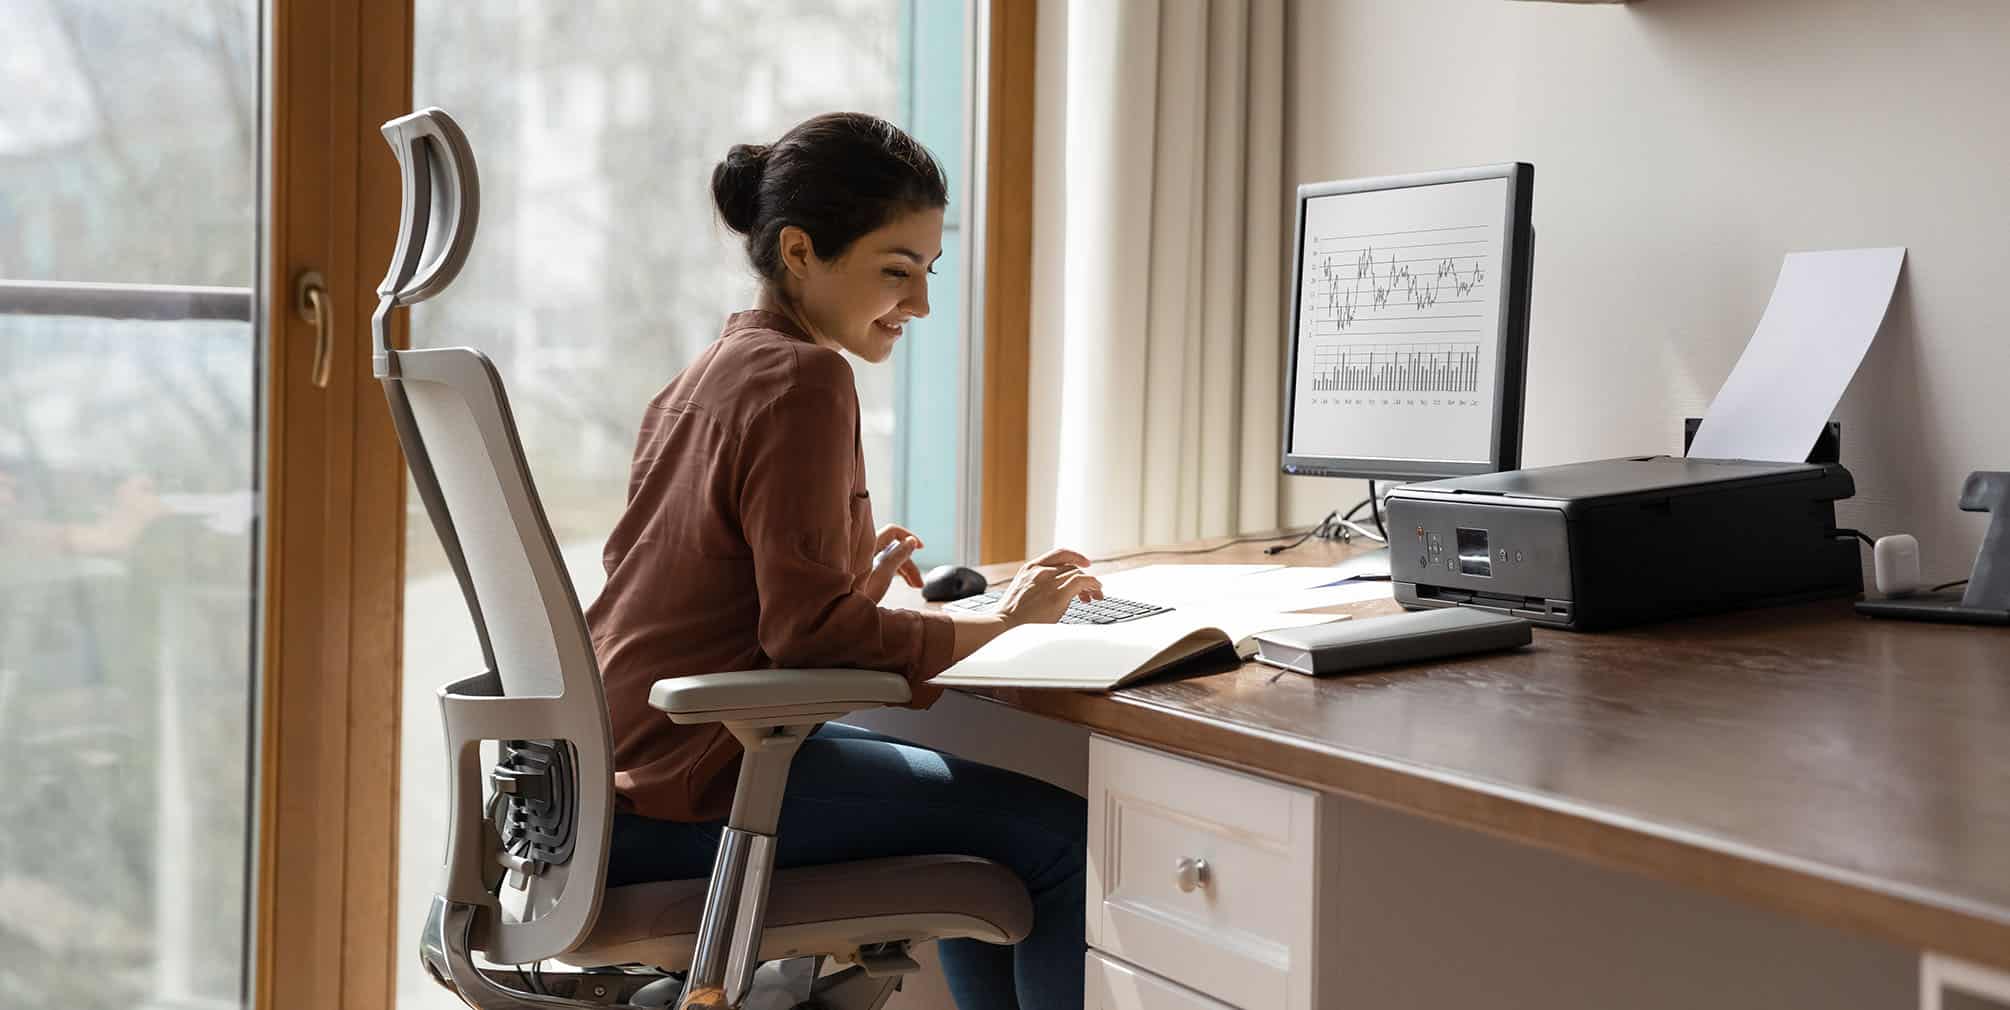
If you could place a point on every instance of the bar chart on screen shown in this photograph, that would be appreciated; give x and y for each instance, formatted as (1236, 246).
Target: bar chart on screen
(1401, 368)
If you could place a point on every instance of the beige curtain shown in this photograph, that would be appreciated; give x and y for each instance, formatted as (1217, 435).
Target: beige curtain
(1170, 340)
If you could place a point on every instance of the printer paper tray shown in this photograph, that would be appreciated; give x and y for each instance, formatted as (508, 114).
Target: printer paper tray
(1556, 613)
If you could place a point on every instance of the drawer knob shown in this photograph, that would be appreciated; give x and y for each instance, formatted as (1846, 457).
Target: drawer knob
(1192, 874)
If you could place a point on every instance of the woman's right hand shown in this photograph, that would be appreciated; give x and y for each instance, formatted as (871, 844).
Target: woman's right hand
(1042, 590)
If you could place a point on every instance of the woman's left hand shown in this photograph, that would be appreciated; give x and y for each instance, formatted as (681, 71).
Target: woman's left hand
(885, 562)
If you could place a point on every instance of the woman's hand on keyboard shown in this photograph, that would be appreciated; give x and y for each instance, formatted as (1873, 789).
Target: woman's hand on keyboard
(1042, 590)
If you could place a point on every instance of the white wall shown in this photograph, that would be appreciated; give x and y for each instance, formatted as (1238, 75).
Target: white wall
(1681, 147)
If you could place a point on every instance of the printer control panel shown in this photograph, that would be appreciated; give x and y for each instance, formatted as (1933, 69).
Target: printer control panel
(1505, 551)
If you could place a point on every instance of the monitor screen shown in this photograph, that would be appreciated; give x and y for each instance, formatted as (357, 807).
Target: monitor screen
(1409, 323)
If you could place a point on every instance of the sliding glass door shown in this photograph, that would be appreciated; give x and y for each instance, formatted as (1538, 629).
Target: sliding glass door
(129, 490)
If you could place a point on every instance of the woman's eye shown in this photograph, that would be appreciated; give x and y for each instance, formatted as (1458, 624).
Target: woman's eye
(900, 274)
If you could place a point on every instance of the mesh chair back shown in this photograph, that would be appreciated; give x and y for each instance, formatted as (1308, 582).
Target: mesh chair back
(540, 692)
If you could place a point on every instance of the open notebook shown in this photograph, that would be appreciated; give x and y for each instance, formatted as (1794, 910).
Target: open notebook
(1103, 657)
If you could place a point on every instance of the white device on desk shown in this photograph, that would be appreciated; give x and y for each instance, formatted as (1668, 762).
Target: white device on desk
(1409, 326)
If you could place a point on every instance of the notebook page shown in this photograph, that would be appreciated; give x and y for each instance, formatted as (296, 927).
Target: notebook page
(1098, 657)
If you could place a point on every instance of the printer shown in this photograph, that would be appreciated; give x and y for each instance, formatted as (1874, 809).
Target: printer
(1624, 541)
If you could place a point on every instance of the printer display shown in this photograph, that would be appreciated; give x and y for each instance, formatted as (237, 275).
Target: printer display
(1623, 541)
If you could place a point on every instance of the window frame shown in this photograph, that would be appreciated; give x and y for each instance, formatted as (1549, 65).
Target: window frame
(323, 922)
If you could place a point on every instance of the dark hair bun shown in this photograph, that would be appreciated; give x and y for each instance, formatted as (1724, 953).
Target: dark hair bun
(836, 176)
(736, 186)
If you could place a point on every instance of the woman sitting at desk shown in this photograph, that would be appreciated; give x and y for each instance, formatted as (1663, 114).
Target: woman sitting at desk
(748, 543)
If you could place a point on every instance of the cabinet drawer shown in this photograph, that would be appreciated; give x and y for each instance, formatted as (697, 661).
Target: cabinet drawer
(1114, 985)
(1241, 929)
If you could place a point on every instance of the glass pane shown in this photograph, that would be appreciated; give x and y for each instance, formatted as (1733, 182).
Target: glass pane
(128, 485)
(600, 270)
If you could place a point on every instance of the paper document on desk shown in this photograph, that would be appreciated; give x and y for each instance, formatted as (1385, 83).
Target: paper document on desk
(1265, 588)
(1174, 584)
(1090, 657)
(1826, 307)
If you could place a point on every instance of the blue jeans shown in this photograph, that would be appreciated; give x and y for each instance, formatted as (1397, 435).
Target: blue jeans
(853, 794)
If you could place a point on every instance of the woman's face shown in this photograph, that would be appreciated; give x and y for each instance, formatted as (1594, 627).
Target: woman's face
(861, 301)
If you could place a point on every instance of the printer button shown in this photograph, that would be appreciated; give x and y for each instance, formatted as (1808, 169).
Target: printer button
(1517, 557)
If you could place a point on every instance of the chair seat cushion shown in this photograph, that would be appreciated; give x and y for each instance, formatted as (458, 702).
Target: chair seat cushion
(833, 908)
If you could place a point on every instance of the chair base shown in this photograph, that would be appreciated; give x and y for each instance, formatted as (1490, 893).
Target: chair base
(791, 984)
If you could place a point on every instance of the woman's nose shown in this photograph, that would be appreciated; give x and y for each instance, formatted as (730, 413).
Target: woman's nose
(916, 303)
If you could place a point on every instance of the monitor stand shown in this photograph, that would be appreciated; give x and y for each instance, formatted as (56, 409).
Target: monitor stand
(1367, 566)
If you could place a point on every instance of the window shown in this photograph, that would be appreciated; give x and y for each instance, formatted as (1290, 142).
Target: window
(128, 492)
(599, 270)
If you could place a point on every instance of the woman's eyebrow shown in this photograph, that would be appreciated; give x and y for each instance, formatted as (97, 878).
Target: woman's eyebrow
(911, 254)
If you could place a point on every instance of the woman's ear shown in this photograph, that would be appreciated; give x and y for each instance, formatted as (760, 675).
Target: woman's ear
(796, 250)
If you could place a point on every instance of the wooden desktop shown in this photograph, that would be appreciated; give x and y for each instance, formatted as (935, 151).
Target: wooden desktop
(1842, 771)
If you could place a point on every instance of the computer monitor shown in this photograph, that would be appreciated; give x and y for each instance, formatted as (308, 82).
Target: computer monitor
(1409, 325)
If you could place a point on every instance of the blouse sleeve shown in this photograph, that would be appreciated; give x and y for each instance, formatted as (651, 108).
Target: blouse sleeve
(796, 466)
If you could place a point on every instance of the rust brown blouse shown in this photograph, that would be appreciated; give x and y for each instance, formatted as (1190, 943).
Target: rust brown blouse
(744, 545)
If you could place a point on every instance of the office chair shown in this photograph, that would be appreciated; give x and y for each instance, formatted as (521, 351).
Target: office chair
(525, 871)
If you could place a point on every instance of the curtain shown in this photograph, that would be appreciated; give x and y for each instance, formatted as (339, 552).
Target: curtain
(1170, 345)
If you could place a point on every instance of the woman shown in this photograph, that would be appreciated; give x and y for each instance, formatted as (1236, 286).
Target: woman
(748, 542)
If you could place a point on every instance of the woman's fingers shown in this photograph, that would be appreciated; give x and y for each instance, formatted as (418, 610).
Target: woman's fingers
(897, 556)
(1061, 557)
(910, 572)
(891, 533)
(1081, 585)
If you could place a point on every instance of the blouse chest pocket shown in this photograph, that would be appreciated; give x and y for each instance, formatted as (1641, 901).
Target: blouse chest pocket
(861, 526)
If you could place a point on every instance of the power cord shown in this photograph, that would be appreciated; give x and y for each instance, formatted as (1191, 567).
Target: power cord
(1308, 534)
(1334, 527)
(1196, 550)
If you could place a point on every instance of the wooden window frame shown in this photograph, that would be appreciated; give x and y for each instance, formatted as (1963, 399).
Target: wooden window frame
(1008, 278)
(326, 851)
(324, 922)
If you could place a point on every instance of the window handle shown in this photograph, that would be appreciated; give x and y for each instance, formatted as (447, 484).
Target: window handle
(310, 302)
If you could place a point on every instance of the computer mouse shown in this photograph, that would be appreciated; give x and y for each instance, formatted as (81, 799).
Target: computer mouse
(951, 582)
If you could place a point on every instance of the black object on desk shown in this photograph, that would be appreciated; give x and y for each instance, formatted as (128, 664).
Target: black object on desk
(1987, 598)
(951, 582)
(1623, 541)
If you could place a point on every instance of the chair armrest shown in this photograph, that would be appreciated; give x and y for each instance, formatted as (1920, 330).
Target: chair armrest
(776, 697)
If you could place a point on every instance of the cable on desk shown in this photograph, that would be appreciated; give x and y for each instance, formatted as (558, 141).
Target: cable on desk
(1281, 548)
(1207, 550)
(1948, 585)
(1375, 505)
(1334, 527)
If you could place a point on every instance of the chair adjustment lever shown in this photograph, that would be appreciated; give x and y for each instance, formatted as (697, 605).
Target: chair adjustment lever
(887, 959)
(524, 783)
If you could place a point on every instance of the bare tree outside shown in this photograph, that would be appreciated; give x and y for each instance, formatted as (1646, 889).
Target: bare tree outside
(600, 269)
(127, 147)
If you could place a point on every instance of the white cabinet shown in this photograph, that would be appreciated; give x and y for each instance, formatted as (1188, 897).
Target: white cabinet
(1203, 876)
(1948, 984)
(1114, 985)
